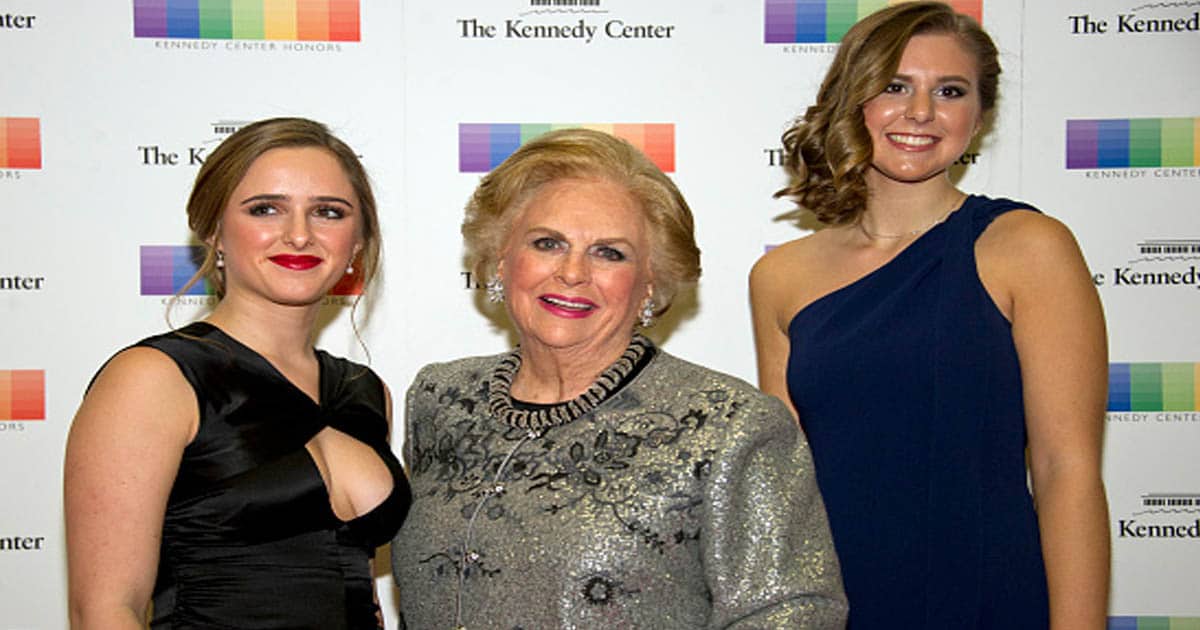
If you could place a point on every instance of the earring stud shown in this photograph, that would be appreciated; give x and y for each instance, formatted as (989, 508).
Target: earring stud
(495, 290)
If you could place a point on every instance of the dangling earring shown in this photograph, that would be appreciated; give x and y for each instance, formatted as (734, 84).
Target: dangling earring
(495, 290)
(349, 270)
(220, 259)
(646, 317)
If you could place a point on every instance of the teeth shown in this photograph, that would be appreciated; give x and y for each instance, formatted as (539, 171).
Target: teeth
(916, 141)
(565, 304)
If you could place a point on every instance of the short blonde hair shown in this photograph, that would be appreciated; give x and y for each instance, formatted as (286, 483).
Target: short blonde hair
(584, 154)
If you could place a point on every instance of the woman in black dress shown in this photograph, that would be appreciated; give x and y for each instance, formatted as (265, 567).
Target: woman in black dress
(228, 471)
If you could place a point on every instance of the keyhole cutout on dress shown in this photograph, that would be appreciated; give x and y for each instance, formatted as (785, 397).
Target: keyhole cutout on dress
(355, 476)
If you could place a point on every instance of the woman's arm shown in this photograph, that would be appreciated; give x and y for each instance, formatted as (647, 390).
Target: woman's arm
(767, 551)
(122, 455)
(771, 343)
(1058, 329)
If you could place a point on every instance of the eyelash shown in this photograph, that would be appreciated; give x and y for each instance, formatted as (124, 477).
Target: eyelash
(330, 212)
(945, 91)
(324, 212)
(610, 254)
(545, 243)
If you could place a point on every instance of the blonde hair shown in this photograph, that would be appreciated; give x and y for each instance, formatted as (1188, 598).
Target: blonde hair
(582, 153)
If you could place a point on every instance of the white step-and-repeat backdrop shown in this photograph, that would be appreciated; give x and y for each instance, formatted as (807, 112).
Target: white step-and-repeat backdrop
(108, 107)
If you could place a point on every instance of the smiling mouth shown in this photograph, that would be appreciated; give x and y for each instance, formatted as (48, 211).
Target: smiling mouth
(581, 306)
(296, 263)
(911, 140)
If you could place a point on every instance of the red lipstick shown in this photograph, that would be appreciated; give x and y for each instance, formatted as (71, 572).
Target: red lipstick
(295, 263)
(570, 308)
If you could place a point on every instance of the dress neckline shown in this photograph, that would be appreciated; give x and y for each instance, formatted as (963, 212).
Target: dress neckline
(538, 417)
(273, 371)
(895, 260)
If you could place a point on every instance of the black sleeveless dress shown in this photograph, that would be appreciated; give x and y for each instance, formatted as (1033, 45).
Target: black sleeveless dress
(250, 539)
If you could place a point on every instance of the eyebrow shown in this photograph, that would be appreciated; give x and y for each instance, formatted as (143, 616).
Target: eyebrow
(278, 197)
(944, 79)
(559, 235)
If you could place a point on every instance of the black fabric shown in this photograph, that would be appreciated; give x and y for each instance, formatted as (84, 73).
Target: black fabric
(250, 539)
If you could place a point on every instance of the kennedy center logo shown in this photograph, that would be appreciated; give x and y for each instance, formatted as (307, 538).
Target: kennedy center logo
(483, 146)
(166, 269)
(826, 21)
(20, 143)
(1122, 143)
(22, 395)
(1153, 387)
(295, 20)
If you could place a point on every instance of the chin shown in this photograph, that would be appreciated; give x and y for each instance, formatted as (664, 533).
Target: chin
(307, 297)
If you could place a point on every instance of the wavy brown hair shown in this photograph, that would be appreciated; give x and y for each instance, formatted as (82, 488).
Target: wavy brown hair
(584, 154)
(827, 151)
(225, 167)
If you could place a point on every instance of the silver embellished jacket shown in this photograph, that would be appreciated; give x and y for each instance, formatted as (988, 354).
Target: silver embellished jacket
(686, 499)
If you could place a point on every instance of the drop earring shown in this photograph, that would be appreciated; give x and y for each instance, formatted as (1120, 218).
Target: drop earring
(646, 317)
(495, 290)
(220, 259)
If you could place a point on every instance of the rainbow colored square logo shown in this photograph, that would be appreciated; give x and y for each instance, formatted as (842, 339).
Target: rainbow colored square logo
(167, 268)
(1154, 623)
(824, 21)
(1133, 142)
(483, 146)
(1153, 387)
(294, 20)
(20, 143)
(22, 395)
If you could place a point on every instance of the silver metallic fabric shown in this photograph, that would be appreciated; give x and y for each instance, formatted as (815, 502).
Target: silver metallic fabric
(685, 500)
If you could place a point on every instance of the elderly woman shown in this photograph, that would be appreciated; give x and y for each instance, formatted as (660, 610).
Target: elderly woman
(588, 479)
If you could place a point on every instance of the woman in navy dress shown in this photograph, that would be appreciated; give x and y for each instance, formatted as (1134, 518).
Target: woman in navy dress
(227, 471)
(927, 338)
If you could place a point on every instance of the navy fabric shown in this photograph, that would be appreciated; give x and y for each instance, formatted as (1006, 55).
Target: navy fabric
(908, 386)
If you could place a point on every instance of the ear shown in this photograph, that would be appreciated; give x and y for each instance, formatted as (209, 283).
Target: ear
(980, 122)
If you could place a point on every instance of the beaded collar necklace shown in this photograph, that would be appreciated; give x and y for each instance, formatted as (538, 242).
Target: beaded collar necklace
(500, 402)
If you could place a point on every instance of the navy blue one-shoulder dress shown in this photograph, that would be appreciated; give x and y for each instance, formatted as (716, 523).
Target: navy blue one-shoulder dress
(908, 386)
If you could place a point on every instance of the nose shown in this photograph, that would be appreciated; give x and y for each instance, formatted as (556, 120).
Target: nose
(920, 107)
(574, 269)
(297, 232)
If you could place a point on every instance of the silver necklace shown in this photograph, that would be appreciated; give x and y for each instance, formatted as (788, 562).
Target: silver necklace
(500, 402)
(920, 230)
